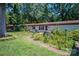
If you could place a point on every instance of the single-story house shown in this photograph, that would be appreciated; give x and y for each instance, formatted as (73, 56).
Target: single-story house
(49, 26)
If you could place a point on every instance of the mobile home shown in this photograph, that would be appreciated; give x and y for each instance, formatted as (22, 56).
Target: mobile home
(42, 27)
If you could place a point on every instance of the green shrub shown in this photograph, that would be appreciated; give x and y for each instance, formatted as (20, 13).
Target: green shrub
(75, 35)
(46, 39)
(38, 36)
(61, 39)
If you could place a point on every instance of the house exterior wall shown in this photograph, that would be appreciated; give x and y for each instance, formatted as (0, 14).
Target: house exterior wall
(52, 27)
(65, 27)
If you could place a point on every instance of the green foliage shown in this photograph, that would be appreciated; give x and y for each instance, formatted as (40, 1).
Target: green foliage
(36, 13)
(47, 37)
(61, 39)
(75, 35)
(38, 36)
(45, 40)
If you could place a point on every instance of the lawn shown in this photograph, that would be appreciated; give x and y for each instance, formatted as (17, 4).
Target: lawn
(21, 47)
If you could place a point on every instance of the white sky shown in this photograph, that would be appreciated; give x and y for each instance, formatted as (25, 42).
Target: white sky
(39, 1)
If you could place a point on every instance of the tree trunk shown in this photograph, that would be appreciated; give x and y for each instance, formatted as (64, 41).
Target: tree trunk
(2, 20)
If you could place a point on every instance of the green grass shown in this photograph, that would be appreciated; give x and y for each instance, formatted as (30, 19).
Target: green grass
(21, 47)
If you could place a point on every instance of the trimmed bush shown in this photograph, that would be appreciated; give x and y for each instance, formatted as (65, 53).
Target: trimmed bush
(38, 36)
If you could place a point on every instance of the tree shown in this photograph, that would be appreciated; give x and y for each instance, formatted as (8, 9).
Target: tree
(2, 20)
(41, 12)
